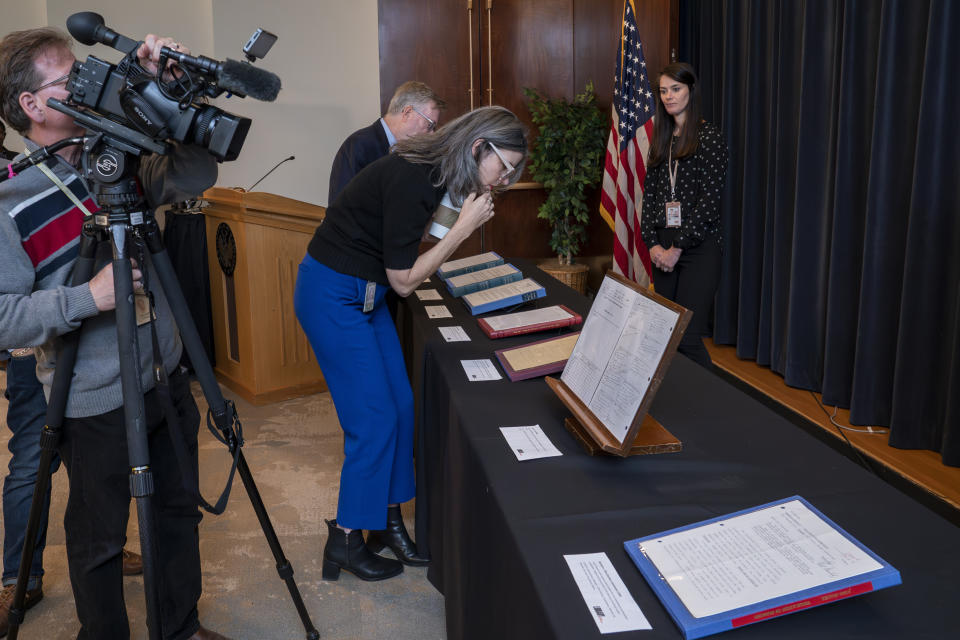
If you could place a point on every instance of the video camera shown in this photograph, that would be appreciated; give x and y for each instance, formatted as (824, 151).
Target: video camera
(131, 105)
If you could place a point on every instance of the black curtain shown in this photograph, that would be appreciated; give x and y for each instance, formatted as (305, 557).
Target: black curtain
(841, 214)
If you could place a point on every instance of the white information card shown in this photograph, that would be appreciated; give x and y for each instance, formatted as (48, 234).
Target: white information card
(438, 311)
(529, 443)
(454, 334)
(480, 370)
(428, 294)
(610, 604)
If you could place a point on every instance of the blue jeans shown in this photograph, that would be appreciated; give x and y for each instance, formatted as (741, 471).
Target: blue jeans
(26, 415)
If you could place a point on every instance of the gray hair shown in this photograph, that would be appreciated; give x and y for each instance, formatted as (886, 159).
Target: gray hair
(414, 93)
(450, 149)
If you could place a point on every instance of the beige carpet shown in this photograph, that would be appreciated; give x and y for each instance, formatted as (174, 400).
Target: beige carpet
(294, 450)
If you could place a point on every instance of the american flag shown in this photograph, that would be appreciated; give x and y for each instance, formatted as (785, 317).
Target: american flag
(625, 169)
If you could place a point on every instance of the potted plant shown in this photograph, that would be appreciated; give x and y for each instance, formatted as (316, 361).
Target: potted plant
(567, 158)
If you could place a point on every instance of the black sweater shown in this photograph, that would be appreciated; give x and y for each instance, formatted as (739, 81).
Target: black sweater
(377, 221)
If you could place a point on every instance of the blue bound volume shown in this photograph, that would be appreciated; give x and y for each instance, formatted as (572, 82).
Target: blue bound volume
(469, 264)
(483, 279)
(505, 295)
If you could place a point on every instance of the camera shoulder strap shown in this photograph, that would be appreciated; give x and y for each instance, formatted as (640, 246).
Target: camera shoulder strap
(57, 181)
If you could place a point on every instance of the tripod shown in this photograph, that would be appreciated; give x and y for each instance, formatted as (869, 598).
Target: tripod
(125, 222)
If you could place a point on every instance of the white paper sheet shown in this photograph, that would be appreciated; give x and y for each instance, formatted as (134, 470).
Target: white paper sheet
(525, 318)
(610, 604)
(428, 294)
(480, 370)
(754, 557)
(454, 334)
(529, 443)
(438, 311)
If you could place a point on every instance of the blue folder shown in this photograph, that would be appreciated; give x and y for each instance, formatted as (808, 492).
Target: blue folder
(692, 627)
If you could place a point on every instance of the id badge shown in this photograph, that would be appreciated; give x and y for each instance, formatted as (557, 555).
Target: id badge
(369, 296)
(673, 214)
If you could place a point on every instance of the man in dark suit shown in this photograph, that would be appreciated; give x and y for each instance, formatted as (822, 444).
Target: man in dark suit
(414, 109)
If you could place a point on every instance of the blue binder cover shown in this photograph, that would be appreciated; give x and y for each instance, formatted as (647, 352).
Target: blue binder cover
(698, 627)
(457, 267)
(488, 283)
(509, 301)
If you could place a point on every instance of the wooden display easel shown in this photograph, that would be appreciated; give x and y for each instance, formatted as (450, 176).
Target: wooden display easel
(645, 436)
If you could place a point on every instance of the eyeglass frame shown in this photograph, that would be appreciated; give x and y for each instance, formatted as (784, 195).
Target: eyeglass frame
(66, 76)
(431, 121)
(509, 169)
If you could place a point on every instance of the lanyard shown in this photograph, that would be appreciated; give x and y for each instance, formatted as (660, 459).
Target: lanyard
(57, 181)
(672, 169)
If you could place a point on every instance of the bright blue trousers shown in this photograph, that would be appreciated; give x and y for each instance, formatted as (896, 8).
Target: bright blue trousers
(359, 354)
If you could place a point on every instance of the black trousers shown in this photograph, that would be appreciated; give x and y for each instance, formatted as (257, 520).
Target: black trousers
(94, 451)
(693, 284)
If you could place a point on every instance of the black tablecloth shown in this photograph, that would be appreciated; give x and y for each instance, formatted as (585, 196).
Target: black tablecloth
(497, 529)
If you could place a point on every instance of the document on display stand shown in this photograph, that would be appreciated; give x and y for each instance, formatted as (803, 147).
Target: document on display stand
(753, 565)
(611, 606)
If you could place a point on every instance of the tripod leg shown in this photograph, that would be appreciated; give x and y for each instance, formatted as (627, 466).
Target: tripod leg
(50, 437)
(221, 415)
(141, 475)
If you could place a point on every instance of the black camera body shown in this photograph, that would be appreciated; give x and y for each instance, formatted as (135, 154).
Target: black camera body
(128, 95)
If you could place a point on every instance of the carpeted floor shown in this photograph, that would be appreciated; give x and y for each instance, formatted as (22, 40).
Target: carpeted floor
(294, 450)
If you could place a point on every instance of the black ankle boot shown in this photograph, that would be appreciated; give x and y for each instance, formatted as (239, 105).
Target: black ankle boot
(347, 551)
(396, 537)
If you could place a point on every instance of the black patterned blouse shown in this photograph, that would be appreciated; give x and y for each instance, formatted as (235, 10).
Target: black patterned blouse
(700, 179)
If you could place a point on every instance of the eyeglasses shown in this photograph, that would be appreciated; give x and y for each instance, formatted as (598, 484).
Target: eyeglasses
(62, 78)
(508, 168)
(430, 121)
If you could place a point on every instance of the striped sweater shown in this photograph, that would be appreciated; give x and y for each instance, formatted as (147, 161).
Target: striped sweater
(39, 242)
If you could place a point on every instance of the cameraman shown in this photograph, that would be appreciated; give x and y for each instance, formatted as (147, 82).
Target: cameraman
(41, 215)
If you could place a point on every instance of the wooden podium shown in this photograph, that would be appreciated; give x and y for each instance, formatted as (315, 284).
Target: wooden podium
(255, 244)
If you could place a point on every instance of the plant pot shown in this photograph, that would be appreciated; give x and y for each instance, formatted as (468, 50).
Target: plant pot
(572, 275)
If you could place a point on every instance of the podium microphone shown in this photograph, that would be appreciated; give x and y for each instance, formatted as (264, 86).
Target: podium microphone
(269, 172)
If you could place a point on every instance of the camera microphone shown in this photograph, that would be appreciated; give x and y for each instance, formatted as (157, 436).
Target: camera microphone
(240, 78)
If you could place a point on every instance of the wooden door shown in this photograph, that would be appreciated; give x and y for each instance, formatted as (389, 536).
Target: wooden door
(487, 51)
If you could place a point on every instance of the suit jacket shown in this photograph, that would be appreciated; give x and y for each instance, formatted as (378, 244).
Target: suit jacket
(357, 151)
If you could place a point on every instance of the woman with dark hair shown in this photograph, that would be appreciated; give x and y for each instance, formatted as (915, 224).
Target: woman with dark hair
(368, 243)
(680, 222)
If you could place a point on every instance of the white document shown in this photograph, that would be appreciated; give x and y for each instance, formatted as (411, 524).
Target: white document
(454, 334)
(529, 443)
(428, 294)
(620, 347)
(438, 311)
(469, 261)
(607, 598)
(503, 291)
(525, 318)
(480, 370)
(754, 557)
(482, 275)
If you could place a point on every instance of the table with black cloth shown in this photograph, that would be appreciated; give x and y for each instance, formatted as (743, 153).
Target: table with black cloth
(497, 529)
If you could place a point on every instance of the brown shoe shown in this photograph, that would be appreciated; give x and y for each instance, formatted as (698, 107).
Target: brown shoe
(132, 563)
(6, 600)
(206, 634)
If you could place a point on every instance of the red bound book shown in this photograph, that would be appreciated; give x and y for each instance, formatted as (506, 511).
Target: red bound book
(565, 317)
